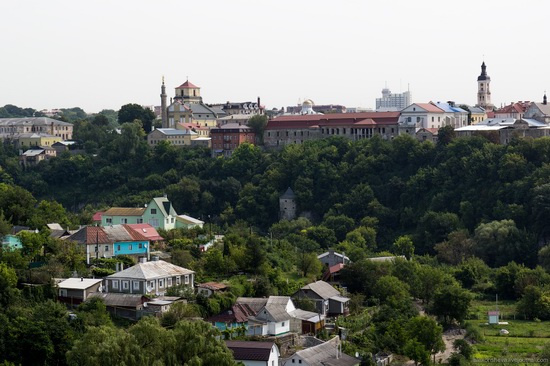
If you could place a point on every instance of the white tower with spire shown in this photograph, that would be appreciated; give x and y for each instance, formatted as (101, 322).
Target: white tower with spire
(483, 89)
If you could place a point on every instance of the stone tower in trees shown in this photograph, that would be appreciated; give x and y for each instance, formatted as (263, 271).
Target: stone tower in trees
(287, 205)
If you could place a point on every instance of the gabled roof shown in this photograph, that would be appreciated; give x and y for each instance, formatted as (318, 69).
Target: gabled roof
(249, 350)
(544, 108)
(78, 283)
(428, 107)
(238, 313)
(189, 220)
(90, 235)
(322, 289)
(97, 216)
(118, 233)
(255, 303)
(214, 286)
(152, 270)
(122, 300)
(124, 211)
(145, 230)
(165, 206)
(327, 354)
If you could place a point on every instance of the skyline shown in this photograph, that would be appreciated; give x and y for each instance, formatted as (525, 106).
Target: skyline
(102, 55)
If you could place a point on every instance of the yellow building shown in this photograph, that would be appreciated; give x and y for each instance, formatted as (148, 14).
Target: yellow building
(477, 115)
(26, 140)
(173, 136)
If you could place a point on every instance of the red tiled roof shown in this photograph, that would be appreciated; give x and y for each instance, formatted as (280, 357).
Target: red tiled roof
(332, 270)
(135, 234)
(97, 216)
(491, 114)
(187, 85)
(144, 230)
(250, 350)
(518, 107)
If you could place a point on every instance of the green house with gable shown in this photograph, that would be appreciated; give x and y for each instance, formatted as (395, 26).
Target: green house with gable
(159, 213)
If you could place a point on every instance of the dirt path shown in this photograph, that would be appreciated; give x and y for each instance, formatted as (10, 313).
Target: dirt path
(449, 337)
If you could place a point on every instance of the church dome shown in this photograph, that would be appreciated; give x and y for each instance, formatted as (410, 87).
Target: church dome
(308, 102)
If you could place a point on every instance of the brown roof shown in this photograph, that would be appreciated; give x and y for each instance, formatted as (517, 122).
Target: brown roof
(250, 350)
(90, 235)
(333, 119)
(238, 313)
(214, 286)
(124, 211)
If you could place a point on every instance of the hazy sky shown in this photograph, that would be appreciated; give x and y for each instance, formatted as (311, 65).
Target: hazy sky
(102, 54)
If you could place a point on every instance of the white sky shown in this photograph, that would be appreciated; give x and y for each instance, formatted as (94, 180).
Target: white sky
(102, 54)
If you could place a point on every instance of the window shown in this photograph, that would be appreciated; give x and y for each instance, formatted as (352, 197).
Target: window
(152, 284)
(283, 324)
(169, 282)
(153, 211)
(115, 284)
(118, 247)
(140, 246)
(106, 248)
(140, 221)
(172, 220)
(161, 283)
(125, 285)
(136, 285)
(178, 280)
(124, 220)
(186, 279)
(109, 220)
(129, 246)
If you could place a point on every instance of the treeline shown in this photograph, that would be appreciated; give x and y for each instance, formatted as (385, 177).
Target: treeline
(399, 187)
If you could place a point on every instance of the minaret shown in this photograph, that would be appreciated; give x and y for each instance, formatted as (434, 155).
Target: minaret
(544, 100)
(483, 90)
(163, 110)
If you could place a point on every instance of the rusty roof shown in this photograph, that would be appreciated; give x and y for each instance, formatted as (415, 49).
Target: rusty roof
(90, 235)
(124, 211)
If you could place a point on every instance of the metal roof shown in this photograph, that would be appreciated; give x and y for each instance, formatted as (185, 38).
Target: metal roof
(78, 283)
(323, 289)
(326, 354)
(189, 219)
(175, 132)
(124, 211)
(249, 350)
(152, 270)
(35, 121)
(123, 300)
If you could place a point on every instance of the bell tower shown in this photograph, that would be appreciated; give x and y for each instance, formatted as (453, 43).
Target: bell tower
(483, 89)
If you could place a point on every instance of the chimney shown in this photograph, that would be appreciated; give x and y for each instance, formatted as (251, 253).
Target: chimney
(81, 279)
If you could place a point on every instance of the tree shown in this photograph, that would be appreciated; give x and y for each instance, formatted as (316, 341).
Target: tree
(258, 123)
(404, 246)
(391, 289)
(131, 112)
(427, 332)
(535, 303)
(445, 135)
(198, 343)
(457, 248)
(498, 242)
(417, 352)
(131, 139)
(451, 303)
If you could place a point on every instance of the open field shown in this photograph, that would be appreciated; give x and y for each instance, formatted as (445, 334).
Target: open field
(522, 345)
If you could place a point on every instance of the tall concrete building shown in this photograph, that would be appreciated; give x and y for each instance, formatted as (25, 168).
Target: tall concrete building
(393, 102)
